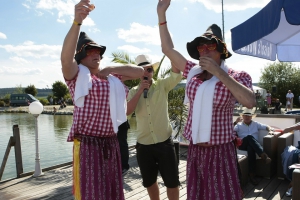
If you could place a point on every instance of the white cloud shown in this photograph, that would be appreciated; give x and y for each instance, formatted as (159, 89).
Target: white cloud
(20, 71)
(64, 9)
(88, 22)
(61, 21)
(140, 33)
(134, 50)
(231, 5)
(19, 60)
(29, 49)
(94, 30)
(2, 36)
(26, 5)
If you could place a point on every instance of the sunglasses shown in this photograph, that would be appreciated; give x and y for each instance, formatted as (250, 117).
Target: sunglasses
(93, 51)
(209, 47)
(149, 70)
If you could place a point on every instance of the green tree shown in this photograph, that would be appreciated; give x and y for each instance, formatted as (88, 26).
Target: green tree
(59, 89)
(284, 76)
(43, 101)
(178, 112)
(18, 90)
(30, 89)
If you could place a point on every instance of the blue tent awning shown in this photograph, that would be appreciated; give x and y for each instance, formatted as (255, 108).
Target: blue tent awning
(274, 30)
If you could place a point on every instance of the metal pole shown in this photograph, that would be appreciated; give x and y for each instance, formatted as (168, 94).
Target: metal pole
(223, 21)
(38, 170)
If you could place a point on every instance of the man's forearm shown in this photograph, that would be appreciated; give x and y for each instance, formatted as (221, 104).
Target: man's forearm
(132, 103)
(132, 71)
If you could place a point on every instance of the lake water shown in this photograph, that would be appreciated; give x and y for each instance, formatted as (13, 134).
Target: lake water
(53, 131)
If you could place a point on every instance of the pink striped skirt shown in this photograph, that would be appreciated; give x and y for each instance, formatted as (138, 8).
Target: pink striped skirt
(212, 173)
(97, 169)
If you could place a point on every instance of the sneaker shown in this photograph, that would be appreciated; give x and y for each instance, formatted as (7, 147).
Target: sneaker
(289, 192)
(124, 171)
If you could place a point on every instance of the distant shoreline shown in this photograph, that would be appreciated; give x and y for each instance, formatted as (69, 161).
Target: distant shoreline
(47, 110)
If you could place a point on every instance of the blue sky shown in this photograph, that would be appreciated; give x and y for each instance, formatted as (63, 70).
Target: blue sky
(32, 33)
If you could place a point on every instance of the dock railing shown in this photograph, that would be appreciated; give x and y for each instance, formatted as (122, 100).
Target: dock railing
(16, 143)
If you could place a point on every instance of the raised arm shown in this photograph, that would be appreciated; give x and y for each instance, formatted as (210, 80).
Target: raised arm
(69, 64)
(166, 41)
(292, 128)
(128, 72)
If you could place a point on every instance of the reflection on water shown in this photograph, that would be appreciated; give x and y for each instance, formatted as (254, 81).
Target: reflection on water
(53, 131)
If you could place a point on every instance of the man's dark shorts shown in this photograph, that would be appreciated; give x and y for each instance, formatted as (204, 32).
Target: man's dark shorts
(158, 157)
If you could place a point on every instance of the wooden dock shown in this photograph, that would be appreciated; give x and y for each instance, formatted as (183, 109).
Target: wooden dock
(56, 184)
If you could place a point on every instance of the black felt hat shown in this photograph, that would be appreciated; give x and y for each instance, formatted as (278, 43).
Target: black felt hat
(83, 42)
(213, 32)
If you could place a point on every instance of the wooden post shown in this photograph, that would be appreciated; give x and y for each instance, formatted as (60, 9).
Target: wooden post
(10, 143)
(14, 141)
(18, 152)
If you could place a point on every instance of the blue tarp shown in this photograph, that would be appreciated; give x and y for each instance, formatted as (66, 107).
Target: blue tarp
(274, 30)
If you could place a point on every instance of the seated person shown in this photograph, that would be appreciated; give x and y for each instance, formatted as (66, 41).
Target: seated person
(289, 157)
(248, 130)
(278, 105)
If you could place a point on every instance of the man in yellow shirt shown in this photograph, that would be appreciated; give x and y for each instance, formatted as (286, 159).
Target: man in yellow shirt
(155, 148)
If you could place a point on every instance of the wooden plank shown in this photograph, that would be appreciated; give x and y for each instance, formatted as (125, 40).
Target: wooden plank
(18, 151)
(57, 185)
(141, 192)
(283, 188)
(10, 143)
(267, 192)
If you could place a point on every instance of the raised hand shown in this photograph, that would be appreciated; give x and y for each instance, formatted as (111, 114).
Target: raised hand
(163, 5)
(209, 65)
(82, 10)
(144, 85)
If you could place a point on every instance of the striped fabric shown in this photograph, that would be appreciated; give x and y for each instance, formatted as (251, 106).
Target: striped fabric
(223, 105)
(97, 169)
(212, 173)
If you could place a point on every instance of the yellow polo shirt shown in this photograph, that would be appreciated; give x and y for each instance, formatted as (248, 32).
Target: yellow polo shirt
(153, 124)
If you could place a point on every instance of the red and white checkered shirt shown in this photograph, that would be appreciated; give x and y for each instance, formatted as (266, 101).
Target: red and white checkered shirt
(223, 105)
(94, 118)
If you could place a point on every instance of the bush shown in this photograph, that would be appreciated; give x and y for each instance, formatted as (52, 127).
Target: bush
(264, 110)
(2, 103)
(44, 101)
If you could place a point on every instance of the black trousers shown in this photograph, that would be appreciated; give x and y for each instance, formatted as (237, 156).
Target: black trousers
(122, 138)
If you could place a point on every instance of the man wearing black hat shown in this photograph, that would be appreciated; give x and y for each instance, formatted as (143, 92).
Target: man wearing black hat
(99, 97)
(212, 89)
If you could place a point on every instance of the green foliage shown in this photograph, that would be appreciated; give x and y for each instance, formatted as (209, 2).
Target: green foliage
(6, 98)
(31, 90)
(68, 99)
(59, 90)
(43, 101)
(283, 75)
(2, 103)
(264, 110)
(122, 58)
(18, 89)
(178, 112)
